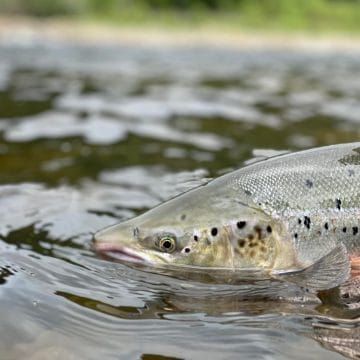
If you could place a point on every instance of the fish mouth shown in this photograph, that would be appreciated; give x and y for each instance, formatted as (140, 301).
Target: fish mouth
(120, 252)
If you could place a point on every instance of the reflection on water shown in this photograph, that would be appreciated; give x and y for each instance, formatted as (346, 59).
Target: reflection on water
(94, 135)
(343, 338)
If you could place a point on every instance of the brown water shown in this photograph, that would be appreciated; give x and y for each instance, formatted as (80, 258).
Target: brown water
(94, 135)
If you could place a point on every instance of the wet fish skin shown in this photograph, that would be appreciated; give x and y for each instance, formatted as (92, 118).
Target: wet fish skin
(316, 193)
(284, 215)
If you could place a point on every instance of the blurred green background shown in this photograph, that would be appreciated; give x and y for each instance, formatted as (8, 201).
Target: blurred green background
(278, 15)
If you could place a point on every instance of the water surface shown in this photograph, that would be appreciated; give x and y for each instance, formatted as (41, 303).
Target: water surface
(91, 135)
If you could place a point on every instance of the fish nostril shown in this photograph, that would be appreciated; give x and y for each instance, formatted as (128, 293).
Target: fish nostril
(90, 244)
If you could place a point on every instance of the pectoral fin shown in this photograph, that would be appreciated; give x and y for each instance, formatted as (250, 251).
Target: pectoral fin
(328, 272)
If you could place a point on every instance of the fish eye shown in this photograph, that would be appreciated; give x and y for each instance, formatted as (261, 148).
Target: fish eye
(167, 244)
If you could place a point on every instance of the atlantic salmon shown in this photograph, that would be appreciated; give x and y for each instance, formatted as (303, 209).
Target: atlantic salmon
(295, 217)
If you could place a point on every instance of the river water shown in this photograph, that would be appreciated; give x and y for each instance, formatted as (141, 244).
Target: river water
(92, 135)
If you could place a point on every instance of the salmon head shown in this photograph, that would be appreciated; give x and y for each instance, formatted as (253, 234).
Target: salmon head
(194, 229)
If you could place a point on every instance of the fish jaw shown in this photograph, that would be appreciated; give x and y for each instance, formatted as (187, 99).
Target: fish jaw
(119, 252)
(118, 242)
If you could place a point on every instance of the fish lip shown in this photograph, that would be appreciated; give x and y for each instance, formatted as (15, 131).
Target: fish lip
(121, 252)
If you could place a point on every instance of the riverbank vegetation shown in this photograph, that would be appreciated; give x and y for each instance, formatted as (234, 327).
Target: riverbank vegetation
(277, 15)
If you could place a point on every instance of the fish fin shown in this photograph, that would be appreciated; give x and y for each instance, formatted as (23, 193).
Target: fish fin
(328, 272)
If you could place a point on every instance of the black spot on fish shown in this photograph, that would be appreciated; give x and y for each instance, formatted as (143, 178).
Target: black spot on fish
(247, 192)
(183, 217)
(214, 231)
(344, 229)
(253, 244)
(241, 242)
(309, 183)
(307, 222)
(241, 224)
(326, 226)
(196, 238)
(187, 250)
(269, 229)
(258, 231)
(338, 204)
(299, 221)
(355, 230)
(251, 237)
(295, 235)
(351, 172)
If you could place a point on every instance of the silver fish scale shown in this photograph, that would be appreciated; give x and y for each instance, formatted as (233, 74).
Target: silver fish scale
(314, 187)
(312, 179)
